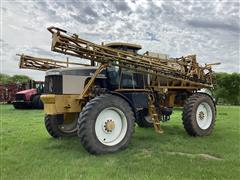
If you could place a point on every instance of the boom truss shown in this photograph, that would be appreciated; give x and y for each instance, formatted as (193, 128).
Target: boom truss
(181, 72)
(43, 64)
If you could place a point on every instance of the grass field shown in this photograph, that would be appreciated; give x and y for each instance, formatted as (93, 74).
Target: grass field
(28, 152)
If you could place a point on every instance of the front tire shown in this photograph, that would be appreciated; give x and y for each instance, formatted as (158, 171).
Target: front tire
(61, 125)
(106, 124)
(17, 106)
(199, 115)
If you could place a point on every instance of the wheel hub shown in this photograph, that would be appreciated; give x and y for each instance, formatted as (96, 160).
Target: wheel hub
(109, 125)
(201, 115)
(204, 115)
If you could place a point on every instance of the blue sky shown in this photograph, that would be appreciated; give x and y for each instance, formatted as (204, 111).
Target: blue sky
(209, 29)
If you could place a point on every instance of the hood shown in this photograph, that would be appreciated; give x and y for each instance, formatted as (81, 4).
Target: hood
(27, 91)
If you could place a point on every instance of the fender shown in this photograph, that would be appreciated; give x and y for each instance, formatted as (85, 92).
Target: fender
(126, 99)
(208, 96)
(207, 92)
(212, 101)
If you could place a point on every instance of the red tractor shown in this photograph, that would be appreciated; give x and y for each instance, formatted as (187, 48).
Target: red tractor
(30, 98)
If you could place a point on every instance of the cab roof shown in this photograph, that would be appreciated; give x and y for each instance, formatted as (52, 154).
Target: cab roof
(122, 44)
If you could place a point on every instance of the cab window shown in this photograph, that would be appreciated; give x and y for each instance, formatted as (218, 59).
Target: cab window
(113, 73)
(127, 80)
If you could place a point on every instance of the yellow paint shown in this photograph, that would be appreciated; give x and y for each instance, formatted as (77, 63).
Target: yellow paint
(60, 104)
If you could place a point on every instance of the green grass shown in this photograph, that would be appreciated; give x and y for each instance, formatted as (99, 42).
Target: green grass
(28, 152)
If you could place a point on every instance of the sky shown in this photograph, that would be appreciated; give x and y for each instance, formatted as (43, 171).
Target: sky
(209, 29)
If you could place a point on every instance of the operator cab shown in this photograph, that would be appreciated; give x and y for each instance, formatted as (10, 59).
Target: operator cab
(121, 78)
(39, 85)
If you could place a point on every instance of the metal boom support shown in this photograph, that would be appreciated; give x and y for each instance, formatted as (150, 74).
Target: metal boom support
(193, 76)
(43, 64)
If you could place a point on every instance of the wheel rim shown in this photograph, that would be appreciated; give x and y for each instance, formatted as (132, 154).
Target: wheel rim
(204, 115)
(69, 127)
(111, 126)
(148, 118)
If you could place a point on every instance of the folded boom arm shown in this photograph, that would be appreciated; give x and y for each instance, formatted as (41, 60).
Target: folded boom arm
(43, 64)
(190, 72)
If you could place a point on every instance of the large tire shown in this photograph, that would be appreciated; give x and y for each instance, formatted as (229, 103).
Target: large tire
(106, 124)
(199, 115)
(144, 119)
(37, 102)
(40, 103)
(21, 106)
(55, 126)
(17, 106)
(34, 101)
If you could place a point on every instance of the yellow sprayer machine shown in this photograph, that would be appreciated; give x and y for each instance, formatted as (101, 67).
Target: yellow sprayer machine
(102, 101)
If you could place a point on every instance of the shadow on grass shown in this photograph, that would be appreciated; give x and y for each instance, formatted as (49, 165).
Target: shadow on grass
(142, 138)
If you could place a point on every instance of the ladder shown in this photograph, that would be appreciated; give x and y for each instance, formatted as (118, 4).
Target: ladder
(154, 114)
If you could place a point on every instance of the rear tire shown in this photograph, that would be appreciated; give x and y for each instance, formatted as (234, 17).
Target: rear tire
(37, 102)
(106, 124)
(199, 115)
(55, 123)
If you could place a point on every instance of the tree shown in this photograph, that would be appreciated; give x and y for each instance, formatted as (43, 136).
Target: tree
(6, 79)
(227, 88)
(234, 89)
(20, 78)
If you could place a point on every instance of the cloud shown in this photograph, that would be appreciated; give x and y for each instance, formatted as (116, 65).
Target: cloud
(214, 25)
(120, 5)
(209, 29)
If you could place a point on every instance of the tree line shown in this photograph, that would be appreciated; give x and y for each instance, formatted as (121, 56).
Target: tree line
(6, 79)
(226, 87)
